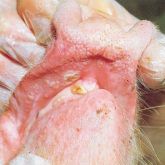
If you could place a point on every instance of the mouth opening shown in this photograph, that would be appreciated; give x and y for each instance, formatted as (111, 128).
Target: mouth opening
(72, 79)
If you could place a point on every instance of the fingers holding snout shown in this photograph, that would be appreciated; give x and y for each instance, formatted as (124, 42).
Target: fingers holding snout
(10, 75)
(16, 39)
(152, 65)
(11, 24)
(38, 16)
(18, 50)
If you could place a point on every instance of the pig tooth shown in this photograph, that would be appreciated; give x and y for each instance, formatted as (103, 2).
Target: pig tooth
(78, 89)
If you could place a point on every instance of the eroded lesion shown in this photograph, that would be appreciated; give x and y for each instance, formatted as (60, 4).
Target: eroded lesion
(78, 89)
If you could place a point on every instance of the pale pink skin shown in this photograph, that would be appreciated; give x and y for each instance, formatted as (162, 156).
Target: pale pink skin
(96, 127)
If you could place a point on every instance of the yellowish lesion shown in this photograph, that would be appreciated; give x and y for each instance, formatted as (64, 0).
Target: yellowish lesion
(78, 89)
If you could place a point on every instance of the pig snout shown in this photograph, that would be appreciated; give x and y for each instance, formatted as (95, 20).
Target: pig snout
(78, 105)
